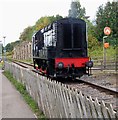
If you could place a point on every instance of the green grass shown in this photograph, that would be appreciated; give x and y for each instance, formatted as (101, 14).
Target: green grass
(98, 53)
(28, 61)
(1, 65)
(29, 100)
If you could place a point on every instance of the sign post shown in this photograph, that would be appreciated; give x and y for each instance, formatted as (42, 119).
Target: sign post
(107, 32)
(0, 51)
(104, 52)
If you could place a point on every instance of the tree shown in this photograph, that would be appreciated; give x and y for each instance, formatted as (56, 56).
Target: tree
(44, 21)
(99, 23)
(107, 16)
(27, 34)
(92, 42)
(76, 11)
(9, 47)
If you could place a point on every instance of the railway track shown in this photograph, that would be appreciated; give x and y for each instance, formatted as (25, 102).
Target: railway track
(109, 90)
(96, 91)
(109, 95)
(22, 64)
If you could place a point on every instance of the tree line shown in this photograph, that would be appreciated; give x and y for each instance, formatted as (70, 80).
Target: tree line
(105, 16)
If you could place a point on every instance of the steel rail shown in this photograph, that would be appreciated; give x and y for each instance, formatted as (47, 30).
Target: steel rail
(23, 62)
(19, 64)
(113, 91)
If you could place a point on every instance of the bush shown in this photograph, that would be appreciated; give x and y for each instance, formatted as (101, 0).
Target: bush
(92, 42)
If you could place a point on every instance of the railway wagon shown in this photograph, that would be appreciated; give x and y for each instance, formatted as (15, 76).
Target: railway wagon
(60, 49)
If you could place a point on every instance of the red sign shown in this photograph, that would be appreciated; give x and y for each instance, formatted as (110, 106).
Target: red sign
(107, 30)
(106, 45)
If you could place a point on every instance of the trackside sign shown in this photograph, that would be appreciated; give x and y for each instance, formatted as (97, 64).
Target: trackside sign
(107, 30)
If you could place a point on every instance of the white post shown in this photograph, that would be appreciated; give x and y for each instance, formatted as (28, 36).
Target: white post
(104, 52)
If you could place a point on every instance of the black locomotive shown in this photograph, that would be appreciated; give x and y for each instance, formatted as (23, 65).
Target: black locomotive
(60, 49)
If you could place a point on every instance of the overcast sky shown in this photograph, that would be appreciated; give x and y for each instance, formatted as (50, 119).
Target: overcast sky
(16, 15)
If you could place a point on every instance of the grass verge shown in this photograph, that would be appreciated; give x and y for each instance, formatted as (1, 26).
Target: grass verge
(29, 100)
(98, 53)
(1, 65)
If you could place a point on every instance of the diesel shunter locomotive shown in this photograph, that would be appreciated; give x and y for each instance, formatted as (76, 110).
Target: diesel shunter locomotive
(60, 49)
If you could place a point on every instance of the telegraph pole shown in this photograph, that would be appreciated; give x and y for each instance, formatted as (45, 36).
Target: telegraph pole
(4, 49)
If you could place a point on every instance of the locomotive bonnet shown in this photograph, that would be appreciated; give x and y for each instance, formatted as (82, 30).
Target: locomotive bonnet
(60, 49)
